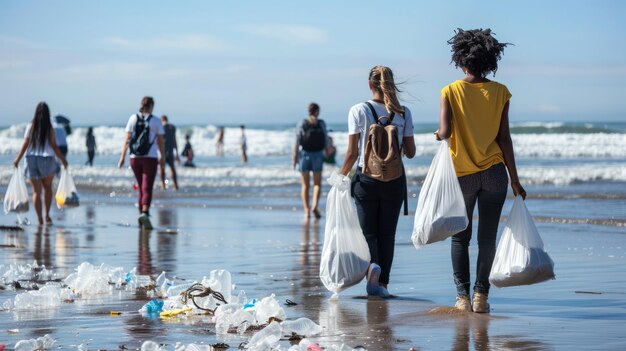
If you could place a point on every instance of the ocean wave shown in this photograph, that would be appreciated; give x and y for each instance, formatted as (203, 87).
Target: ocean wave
(110, 177)
(266, 142)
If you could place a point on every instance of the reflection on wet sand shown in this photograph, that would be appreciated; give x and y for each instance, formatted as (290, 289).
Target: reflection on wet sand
(144, 258)
(41, 248)
(166, 240)
(479, 328)
(90, 215)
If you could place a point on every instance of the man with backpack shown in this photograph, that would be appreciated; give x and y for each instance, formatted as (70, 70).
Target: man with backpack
(308, 154)
(144, 136)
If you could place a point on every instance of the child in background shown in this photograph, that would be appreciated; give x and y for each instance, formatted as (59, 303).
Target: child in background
(188, 152)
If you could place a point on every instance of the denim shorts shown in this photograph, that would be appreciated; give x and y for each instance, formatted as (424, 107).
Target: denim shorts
(39, 167)
(311, 161)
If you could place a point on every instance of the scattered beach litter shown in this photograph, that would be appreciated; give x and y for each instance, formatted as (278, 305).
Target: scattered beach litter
(212, 298)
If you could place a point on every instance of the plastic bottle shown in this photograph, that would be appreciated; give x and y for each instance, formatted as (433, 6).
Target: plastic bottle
(175, 290)
(268, 335)
(301, 326)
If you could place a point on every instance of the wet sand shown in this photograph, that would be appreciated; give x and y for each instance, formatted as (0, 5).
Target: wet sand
(269, 248)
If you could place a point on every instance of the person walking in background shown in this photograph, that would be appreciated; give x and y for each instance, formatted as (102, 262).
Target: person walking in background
(40, 148)
(308, 154)
(144, 135)
(60, 135)
(244, 145)
(171, 152)
(188, 152)
(219, 145)
(475, 117)
(330, 152)
(378, 202)
(90, 142)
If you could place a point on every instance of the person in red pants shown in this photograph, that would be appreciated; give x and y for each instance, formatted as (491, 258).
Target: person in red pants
(144, 136)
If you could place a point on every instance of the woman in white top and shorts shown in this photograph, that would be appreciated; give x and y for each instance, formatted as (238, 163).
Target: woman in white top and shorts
(40, 148)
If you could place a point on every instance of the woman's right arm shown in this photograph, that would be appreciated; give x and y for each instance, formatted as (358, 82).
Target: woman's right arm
(352, 154)
(21, 152)
(120, 164)
(506, 145)
(445, 120)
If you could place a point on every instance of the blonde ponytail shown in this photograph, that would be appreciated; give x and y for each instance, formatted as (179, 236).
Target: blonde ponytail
(382, 78)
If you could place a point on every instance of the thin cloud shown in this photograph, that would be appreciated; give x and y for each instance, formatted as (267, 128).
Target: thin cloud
(118, 70)
(192, 42)
(287, 33)
(548, 108)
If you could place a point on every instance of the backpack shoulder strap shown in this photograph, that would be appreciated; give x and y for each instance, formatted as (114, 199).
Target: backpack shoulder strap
(374, 114)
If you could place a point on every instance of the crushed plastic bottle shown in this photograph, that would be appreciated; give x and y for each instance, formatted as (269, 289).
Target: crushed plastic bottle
(220, 280)
(266, 336)
(91, 280)
(175, 290)
(301, 326)
(42, 343)
(267, 308)
(151, 346)
(232, 315)
(50, 295)
(153, 306)
(250, 305)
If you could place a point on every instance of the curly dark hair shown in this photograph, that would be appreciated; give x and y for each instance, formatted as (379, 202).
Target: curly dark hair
(476, 50)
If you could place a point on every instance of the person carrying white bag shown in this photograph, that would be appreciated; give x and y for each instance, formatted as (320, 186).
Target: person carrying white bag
(345, 255)
(520, 257)
(475, 117)
(40, 149)
(380, 132)
(440, 207)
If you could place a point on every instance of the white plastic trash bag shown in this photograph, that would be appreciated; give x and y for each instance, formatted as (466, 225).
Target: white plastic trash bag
(16, 197)
(520, 257)
(345, 256)
(440, 207)
(66, 195)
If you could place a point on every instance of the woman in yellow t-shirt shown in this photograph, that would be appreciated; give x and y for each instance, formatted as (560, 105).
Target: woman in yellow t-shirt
(475, 117)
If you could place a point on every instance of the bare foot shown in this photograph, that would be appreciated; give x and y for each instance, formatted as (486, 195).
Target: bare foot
(48, 221)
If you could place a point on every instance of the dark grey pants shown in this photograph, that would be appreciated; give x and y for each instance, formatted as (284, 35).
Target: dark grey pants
(488, 188)
(378, 206)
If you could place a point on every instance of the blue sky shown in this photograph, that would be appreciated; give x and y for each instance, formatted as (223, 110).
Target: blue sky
(228, 62)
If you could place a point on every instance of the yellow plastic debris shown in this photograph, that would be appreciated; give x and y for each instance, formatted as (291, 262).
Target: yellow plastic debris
(175, 312)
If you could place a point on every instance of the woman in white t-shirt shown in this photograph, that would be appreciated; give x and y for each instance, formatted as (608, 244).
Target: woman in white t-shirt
(40, 148)
(378, 202)
(144, 159)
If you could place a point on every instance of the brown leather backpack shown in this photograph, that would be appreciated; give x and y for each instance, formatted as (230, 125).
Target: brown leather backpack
(382, 158)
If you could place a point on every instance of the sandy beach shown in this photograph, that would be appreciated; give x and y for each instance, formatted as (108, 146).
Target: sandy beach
(269, 248)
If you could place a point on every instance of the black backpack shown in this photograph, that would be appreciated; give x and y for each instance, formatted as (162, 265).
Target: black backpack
(140, 143)
(313, 137)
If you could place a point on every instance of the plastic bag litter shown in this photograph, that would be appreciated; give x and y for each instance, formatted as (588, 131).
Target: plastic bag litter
(42, 343)
(345, 255)
(16, 197)
(441, 209)
(267, 308)
(520, 258)
(66, 195)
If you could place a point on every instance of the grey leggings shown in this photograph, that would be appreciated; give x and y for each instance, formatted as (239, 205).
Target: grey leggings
(489, 188)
